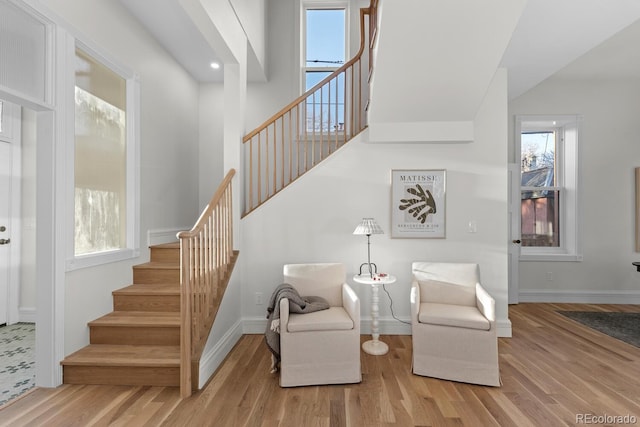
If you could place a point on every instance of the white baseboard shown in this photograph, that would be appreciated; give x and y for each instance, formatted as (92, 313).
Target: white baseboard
(504, 328)
(580, 297)
(213, 357)
(254, 325)
(387, 326)
(165, 235)
(27, 314)
(390, 326)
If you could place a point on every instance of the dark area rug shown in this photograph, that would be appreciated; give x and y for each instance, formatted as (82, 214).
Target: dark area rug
(623, 326)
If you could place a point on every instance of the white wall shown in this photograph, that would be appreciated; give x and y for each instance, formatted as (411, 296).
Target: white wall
(253, 18)
(609, 152)
(27, 304)
(265, 99)
(211, 140)
(313, 220)
(168, 149)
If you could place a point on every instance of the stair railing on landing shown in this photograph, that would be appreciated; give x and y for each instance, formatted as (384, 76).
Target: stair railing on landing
(310, 128)
(207, 259)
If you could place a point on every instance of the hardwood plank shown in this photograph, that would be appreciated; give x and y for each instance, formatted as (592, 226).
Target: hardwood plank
(136, 328)
(161, 297)
(122, 375)
(156, 273)
(167, 252)
(125, 355)
(552, 369)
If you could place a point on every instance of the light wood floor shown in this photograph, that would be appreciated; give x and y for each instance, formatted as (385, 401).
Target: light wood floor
(552, 370)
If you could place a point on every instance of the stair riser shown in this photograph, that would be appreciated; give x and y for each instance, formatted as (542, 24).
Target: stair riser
(165, 254)
(122, 375)
(134, 335)
(153, 276)
(169, 303)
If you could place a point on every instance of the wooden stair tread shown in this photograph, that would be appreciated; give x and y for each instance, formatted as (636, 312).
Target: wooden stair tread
(149, 289)
(158, 265)
(157, 319)
(171, 245)
(125, 355)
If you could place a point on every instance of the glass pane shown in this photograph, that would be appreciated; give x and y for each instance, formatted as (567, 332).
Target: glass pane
(538, 159)
(325, 107)
(100, 158)
(325, 41)
(315, 77)
(540, 218)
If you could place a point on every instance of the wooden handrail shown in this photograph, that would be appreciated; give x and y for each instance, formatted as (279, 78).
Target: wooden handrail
(322, 82)
(217, 196)
(309, 128)
(207, 258)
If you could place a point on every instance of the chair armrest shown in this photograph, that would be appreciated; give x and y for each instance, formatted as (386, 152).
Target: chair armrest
(284, 315)
(485, 303)
(415, 301)
(351, 304)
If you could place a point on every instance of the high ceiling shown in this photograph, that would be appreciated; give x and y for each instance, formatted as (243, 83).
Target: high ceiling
(550, 35)
(168, 22)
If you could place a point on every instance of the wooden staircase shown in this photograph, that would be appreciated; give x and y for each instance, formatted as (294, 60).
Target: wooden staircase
(139, 342)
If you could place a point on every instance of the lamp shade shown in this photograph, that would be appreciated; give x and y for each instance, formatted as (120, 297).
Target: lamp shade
(367, 227)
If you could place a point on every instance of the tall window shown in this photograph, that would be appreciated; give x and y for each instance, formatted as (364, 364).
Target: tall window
(103, 212)
(548, 185)
(325, 43)
(541, 189)
(324, 51)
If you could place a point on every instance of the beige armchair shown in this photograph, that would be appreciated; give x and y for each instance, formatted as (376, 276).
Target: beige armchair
(322, 347)
(453, 324)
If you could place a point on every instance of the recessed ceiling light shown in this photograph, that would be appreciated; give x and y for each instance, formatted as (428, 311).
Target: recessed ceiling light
(215, 65)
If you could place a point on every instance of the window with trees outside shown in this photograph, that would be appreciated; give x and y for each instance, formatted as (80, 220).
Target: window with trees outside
(104, 156)
(548, 186)
(324, 51)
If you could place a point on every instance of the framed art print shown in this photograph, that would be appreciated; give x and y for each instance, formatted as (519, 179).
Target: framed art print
(418, 207)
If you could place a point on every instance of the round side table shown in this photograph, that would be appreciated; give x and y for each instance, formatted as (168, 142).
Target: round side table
(374, 346)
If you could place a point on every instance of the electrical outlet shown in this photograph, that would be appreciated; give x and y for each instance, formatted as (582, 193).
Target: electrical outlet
(259, 299)
(549, 276)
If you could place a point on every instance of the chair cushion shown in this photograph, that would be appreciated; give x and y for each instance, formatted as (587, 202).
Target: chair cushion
(461, 316)
(440, 292)
(333, 319)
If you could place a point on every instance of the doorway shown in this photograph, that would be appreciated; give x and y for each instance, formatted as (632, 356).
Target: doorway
(17, 278)
(10, 212)
(514, 232)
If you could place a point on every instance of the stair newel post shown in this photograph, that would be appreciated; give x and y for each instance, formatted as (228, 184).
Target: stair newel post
(185, 316)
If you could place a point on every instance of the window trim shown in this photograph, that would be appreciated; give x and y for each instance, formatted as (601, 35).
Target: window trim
(132, 249)
(320, 4)
(567, 168)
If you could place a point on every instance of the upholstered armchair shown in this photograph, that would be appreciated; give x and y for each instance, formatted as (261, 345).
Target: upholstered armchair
(453, 324)
(322, 347)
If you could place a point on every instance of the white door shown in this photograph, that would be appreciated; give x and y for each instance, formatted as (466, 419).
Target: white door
(5, 205)
(514, 231)
(9, 211)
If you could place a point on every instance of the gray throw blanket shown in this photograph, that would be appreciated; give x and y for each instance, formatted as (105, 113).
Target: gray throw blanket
(297, 304)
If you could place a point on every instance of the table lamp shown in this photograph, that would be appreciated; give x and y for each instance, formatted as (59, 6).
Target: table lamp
(367, 227)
